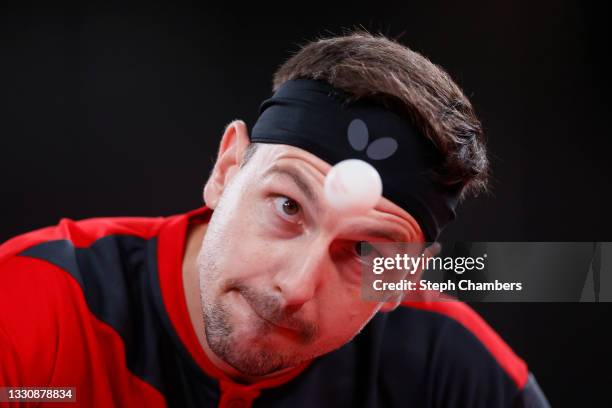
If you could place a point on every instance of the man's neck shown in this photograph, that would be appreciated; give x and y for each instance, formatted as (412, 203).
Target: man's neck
(191, 284)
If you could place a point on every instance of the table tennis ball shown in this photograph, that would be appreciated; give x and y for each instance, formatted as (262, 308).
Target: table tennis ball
(353, 186)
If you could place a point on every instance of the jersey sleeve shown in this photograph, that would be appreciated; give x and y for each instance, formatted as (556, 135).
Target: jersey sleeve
(531, 395)
(9, 374)
(50, 336)
(29, 321)
(474, 367)
(466, 373)
(466, 361)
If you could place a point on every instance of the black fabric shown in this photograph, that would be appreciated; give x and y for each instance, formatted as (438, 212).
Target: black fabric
(532, 396)
(316, 117)
(404, 358)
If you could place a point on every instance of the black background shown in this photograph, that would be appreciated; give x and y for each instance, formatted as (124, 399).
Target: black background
(111, 111)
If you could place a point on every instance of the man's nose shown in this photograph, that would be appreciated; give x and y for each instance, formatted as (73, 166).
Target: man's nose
(299, 280)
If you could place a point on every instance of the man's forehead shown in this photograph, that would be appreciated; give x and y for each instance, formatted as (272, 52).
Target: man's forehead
(276, 155)
(271, 154)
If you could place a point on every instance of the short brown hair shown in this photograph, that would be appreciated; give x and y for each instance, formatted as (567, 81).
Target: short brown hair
(373, 67)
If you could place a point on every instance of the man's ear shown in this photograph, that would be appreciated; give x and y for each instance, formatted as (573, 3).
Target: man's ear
(231, 152)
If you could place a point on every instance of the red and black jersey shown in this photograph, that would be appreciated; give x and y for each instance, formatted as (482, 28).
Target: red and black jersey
(99, 305)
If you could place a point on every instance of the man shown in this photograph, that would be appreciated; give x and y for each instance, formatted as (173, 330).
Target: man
(254, 300)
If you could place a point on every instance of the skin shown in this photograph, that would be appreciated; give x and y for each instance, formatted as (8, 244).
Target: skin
(268, 286)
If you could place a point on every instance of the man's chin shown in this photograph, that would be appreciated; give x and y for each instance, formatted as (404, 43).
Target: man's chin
(262, 357)
(257, 363)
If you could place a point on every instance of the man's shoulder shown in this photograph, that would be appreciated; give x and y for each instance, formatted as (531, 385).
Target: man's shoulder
(43, 271)
(445, 352)
(82, 233)
(49, 265)
(67, 288)
(432, 354)
(462, 336)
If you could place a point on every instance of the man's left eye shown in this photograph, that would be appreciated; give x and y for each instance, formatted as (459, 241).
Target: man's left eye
(365, 252)
(363, 248)
(287, 207)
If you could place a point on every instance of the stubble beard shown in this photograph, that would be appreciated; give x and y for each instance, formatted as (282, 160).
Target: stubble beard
(250, 360)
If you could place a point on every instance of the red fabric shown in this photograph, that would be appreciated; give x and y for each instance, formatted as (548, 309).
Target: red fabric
(468, 318)
(83, 233)
(42, 304)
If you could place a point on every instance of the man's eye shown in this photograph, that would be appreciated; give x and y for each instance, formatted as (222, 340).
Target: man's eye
(365, 252)
(363, 248)
(286, 207)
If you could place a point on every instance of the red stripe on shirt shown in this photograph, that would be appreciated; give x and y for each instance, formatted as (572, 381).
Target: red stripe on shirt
(514, 366)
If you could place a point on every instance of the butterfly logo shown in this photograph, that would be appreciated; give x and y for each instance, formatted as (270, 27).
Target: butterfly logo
(358, 138)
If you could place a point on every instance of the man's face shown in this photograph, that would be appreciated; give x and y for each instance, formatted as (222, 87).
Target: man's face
(279, 269)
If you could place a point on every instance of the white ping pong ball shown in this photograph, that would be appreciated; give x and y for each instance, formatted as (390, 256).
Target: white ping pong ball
(353, 186)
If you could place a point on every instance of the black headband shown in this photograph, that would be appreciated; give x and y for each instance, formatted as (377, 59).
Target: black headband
(315, 116)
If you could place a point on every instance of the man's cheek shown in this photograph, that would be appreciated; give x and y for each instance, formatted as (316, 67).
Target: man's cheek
(337, 326)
